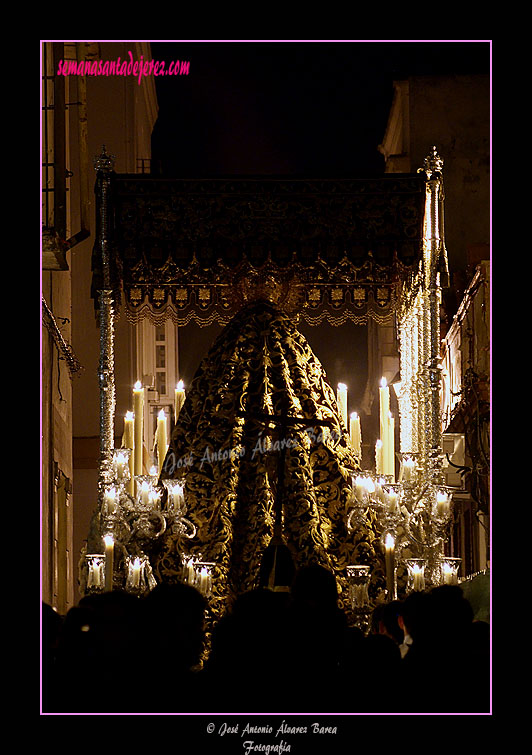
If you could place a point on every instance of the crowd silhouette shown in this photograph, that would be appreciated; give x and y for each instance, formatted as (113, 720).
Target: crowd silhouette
(273, 652)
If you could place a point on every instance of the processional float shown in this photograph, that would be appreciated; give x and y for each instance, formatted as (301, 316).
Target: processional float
(411, 514)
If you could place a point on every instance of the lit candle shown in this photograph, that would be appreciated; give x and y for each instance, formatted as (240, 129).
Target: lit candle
(391, 446)
(407, 470)
(190, 572)
(120, 465)
(138, 410)
(162, 444)
(448, 576)
(128, 441)
(389, 549)
(153, 499)
(110, 501)
(341, 398)
(384, 404)
(135, 573)
(418, 578)
(95, 574)
(392, 499)
(109, 562)
(203, 580)
(360, 489)
(176, 497)
(379, 455)
(356, 440)
(145, 493)
(442, 503)
(179, 398)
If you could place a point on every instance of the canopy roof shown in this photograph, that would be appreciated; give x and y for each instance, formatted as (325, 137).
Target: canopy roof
(181, 247)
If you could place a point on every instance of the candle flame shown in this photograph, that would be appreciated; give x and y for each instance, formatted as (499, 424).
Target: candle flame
(379, 444)
(417, 569)
(108, 540)
(342, 387)
(162, 415)
(129, 416)
(154, 471)
(138, 385)
(354, 415)
(389, 543)
(384, 382)
(110, 493)
(181, 386)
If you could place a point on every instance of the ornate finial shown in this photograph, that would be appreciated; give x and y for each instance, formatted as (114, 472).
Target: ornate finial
(433, 163)
(104, 162)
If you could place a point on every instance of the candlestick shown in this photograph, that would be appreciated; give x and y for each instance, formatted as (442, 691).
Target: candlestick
(138, 407)
(341, 398)
(179, 398)
(162, 444)
(356, 438)
(109, 562)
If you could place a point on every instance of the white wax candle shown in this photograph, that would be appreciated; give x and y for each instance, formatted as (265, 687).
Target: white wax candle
(407, 470)
(391, 446)
(379, 455)
(145, 493)
(138, 410)
(128, 438)
(162, 443)
(120, 466)
(447, 575)
(153, 499)
(128, 441)
(341, 398)
(109, 562)
(176, 497)
(392, 500)
(110, 501)
(203, 580)
(135, 573)
(179, 398)
(360, 489)
(442, 503)
(389, 546)
(384, 405)
(417, 573)
(356, 439)
(190, 572)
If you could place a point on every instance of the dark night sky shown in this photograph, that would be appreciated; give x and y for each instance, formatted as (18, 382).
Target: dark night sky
(289, 108)
(302, 108)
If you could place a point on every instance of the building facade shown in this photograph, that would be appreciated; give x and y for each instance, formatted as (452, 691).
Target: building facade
(79, 114)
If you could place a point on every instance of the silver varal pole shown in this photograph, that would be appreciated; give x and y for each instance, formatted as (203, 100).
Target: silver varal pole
(106, 371)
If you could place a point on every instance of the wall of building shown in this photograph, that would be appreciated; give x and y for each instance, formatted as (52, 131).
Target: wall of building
(120, 113)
